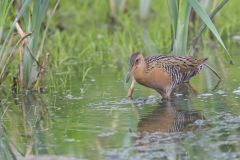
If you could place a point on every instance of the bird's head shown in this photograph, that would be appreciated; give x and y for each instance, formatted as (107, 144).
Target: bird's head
(135, 61)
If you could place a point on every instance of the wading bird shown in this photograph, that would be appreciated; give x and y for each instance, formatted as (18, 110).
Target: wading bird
(162, 73)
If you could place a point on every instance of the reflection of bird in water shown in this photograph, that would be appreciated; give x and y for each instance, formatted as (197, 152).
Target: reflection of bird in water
(167, 118)
(163, 73)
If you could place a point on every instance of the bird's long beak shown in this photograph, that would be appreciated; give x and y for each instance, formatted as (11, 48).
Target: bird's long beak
(129, 74)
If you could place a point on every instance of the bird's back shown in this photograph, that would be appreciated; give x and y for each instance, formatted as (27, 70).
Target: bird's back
(179, 68)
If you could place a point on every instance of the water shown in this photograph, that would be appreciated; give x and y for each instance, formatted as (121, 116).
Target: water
(95, 120)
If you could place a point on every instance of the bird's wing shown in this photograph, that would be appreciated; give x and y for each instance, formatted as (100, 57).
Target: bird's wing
(179, 67)
(183, 64)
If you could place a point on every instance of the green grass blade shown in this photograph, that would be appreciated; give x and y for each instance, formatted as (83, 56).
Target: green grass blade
(33, 19)
(144, 7)
(204, 26)
(5, 6)
(20, 13)
(173, 8)
(206, 19)
(180, 42)
(38, 14)
(46, 29)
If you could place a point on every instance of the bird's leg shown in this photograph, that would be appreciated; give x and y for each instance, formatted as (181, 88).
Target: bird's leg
(165, 94)
(131, 89)
(168, 94)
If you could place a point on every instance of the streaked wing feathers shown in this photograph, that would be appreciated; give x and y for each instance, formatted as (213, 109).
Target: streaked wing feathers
(180, 68)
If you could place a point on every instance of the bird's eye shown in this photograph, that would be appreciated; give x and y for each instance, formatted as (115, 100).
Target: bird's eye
(137, 60)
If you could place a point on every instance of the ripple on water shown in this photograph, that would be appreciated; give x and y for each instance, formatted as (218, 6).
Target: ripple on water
(126, 101)
(71, 140)
(221, 92)
(237, 91)
(156, 145)
(106, 133)
(220, 140)
(71, 97)
(204, 95)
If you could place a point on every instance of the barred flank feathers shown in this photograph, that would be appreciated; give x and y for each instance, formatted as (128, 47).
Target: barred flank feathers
(180, 68)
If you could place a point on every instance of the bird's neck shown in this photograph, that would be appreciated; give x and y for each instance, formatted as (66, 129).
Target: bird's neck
(140, 72)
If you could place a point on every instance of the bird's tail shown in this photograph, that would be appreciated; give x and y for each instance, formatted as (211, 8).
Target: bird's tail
(201, 62)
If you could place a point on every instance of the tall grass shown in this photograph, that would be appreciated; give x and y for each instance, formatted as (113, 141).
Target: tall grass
(28, 22)
(180, 15)
(7, 51)
(180, 18)
(180, 12)
(204, 26)
(32, 22)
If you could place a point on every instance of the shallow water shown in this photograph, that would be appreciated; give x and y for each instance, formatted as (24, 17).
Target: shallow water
(95, 120)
